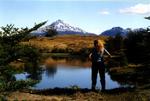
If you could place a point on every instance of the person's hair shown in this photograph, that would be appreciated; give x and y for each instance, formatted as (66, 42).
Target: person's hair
(95, 42)
(99, 44)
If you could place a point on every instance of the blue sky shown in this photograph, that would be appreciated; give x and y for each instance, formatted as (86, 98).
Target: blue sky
(90, 15)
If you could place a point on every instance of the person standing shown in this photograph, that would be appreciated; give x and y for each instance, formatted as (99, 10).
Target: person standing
(98, 65)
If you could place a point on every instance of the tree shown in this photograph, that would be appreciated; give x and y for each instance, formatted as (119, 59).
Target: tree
(115, 44)
(147, 17)
(11, 50)
(110, 44)
(137, 45)
(10, 39)
(51, 32)
(118, 42)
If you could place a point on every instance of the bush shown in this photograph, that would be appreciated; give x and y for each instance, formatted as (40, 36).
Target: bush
(13, 85)
(120, 60)
(51, 32)
(58, 50)
(137, 45)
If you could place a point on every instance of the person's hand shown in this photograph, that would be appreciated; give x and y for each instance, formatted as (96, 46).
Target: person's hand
(90, 56)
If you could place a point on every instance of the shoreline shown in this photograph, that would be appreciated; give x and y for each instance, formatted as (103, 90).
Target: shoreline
(63, 94)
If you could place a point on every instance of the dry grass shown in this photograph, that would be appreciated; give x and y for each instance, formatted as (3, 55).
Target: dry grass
(135, 95)
(73, 42)
(127, 69)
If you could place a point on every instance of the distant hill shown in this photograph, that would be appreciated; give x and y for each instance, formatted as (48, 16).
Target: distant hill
(115, 30)
(123, 32)
(62, 28)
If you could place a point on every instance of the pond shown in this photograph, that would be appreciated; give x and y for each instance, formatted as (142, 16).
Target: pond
(64, 72)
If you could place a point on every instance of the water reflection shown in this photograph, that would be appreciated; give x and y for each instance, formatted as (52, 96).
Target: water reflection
(64, 72)
(50, 70)
(34, 71)
(73, 61)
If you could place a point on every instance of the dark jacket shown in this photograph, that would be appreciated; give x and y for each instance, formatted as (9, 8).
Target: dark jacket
(96, 56)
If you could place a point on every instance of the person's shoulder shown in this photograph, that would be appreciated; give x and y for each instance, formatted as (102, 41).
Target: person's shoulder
(93, 48)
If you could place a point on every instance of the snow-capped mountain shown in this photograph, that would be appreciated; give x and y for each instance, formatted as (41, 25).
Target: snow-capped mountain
(114, 31)
(62, 28)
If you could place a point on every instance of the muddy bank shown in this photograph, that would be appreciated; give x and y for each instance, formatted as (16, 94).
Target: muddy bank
(58, 94)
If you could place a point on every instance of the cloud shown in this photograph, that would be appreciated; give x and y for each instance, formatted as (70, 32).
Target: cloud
(137, 9)
(104, 12)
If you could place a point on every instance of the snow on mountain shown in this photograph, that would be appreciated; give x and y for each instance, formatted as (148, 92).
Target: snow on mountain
(61, 28)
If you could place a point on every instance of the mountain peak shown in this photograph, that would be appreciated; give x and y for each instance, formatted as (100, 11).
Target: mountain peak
(59, 20)
(62, 27)
(115, 30)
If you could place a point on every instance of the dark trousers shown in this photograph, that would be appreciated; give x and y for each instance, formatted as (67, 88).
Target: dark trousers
(98, 67)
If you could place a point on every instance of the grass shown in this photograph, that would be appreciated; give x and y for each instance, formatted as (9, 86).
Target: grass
(63, 44)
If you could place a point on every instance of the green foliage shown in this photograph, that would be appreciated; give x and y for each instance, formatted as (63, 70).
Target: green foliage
(117, 48)
(6, 74)
(11, 50)
(110, 44)
(59, 50)
(118, 41)
(12, 36)
(27, 53)
(115, 44)
(9, 42)
(120, 60)
(123, 59)
(9, 30)
(3, 54)
(137, 45)
(13, 85)
(134, 48)
(3, 98)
